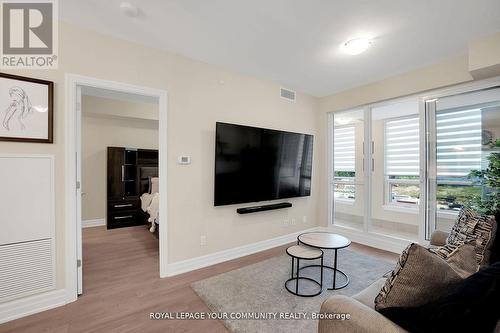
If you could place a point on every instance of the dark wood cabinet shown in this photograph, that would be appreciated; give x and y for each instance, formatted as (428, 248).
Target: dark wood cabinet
(129, 171)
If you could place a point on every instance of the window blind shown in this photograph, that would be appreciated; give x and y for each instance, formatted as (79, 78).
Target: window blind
(402, 147)
(344, 149)
(458, 142)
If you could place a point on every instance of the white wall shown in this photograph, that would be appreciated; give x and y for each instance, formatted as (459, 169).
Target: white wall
(102, 129)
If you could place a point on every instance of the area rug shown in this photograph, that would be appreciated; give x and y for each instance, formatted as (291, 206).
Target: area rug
(259, 289)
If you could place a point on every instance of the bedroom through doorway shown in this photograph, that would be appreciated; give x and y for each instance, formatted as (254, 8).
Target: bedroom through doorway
(118, 149)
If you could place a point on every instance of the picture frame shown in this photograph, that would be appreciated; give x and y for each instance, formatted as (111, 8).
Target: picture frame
(26, 109)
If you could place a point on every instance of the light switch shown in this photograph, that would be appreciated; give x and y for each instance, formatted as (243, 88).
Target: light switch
(184, 160)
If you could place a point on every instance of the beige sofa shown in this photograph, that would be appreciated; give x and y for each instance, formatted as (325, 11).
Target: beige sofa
(363, 317)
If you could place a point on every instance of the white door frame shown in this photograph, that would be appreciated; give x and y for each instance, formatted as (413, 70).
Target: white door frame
(78, 208)
(72, 146)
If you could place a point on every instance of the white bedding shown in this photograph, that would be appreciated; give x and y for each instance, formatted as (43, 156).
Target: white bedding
(150, 203)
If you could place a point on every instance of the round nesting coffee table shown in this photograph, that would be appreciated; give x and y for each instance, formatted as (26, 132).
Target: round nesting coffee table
(298, 253)
(326, 241)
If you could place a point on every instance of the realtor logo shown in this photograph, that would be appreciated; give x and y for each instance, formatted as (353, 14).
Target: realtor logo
(29, 34)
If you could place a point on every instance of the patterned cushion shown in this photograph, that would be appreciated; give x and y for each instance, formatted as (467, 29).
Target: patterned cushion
(471, 226)
(418, 278)
(391, 276)
(444, 251)
(485, 231)
(463, 229)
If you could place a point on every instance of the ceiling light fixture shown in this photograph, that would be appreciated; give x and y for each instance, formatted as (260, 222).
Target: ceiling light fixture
(128, 9)
(356, 46)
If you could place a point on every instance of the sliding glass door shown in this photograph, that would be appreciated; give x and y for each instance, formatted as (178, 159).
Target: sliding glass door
(375, 171)
(347, 172)
(395, 170)
(405, 168)
(461, 128)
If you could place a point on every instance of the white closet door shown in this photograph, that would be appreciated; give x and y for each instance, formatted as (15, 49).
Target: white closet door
(27, 244)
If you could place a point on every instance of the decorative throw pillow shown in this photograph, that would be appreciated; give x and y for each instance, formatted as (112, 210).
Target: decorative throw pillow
(474, 306)
(495, 248)
(463, 229)
(463, 259)
(486, 230)
(418, 278)
(471, 226)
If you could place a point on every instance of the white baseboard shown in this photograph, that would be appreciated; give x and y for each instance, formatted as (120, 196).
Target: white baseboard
(237, 252)
(30, 305)
(382, 242)
(93, 223)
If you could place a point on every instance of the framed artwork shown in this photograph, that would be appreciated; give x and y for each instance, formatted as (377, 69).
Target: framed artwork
(26, 109)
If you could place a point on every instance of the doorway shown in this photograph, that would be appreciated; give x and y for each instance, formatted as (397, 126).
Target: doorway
(75, 85)
(376, 181)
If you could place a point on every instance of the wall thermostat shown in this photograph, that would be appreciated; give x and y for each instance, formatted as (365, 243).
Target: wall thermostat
(184, 159)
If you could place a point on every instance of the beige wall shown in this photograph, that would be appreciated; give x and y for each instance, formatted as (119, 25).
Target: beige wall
(102, 129)
(451, 71)
(112, 107)
(197, 99)
(484, 56)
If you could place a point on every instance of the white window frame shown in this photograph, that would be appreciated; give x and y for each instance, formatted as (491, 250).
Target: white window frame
(388, 193)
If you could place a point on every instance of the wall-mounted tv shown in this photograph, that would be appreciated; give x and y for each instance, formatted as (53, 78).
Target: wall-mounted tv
(257, 164)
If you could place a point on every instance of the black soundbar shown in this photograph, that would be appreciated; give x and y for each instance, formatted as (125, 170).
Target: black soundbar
(254, 209)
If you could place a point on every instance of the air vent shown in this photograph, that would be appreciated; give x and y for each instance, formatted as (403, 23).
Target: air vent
(26, 268)
(287, 94)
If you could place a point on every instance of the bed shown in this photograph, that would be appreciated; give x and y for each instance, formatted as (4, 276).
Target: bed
(150, 203)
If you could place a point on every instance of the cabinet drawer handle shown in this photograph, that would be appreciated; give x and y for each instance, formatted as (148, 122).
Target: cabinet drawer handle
(122, 217)
(125, 205)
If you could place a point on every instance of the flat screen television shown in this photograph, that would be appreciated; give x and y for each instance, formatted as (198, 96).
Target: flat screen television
(257, 164)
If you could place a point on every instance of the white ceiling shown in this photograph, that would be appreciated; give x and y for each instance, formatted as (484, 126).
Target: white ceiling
(296, 42)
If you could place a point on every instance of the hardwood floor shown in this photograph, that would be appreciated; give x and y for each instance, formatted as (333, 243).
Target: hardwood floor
(122, 286)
